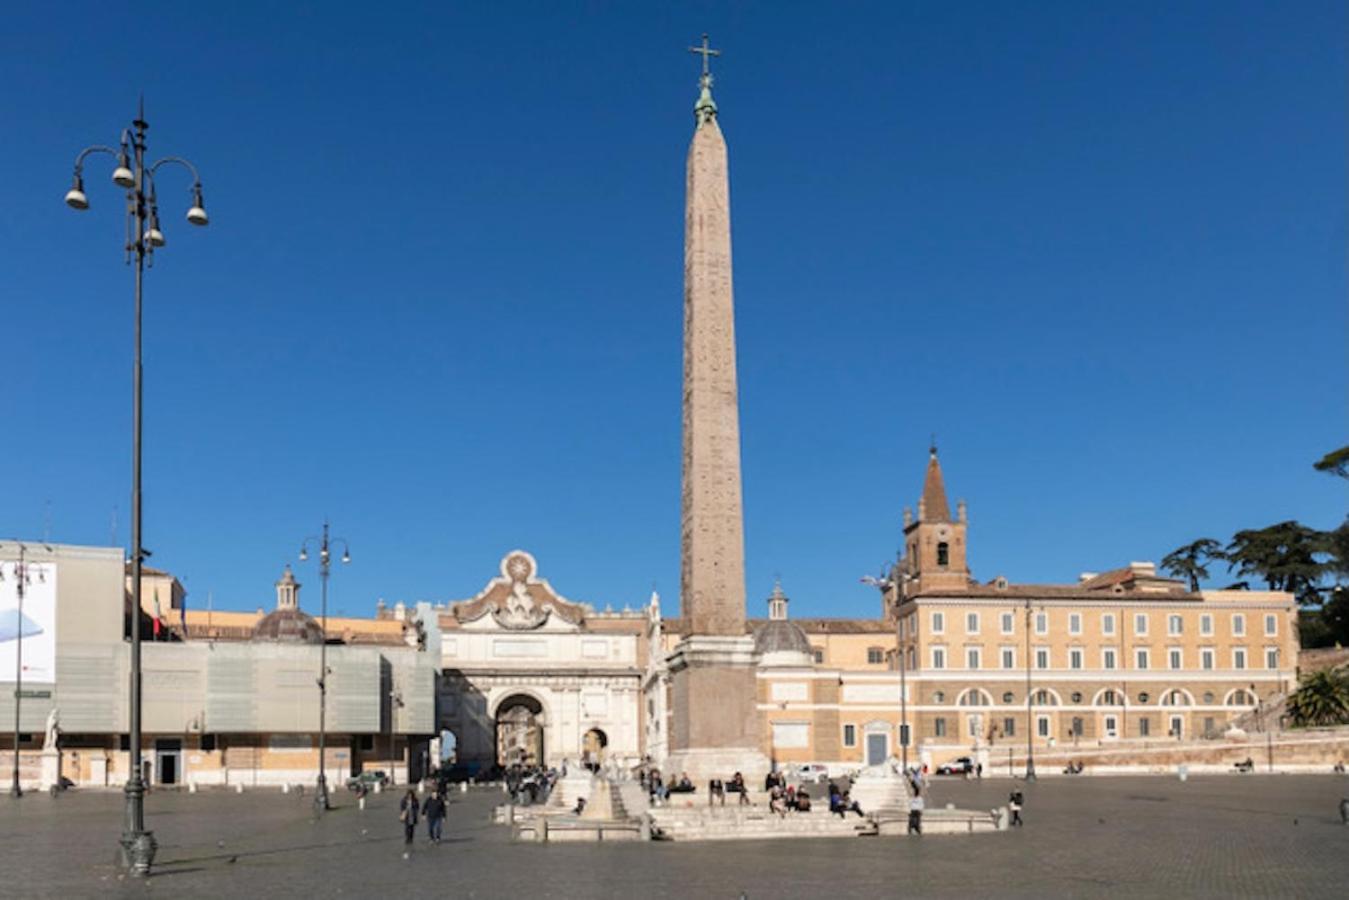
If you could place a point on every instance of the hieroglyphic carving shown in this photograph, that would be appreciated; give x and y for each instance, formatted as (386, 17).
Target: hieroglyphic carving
(712, 571)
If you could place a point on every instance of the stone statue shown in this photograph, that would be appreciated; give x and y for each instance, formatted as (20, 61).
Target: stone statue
(53, 729)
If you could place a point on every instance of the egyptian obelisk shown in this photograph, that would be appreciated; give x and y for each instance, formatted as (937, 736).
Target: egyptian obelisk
(715, 728)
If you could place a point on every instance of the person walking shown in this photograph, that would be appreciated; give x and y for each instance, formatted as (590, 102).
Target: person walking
(434, 810)
(407, 814)
(916, 814)
(1014, 803)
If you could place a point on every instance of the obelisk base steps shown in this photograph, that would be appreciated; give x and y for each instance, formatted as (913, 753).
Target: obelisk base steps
(715, 727)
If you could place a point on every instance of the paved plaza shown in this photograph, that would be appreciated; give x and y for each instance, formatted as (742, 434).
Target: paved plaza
(1253, 836)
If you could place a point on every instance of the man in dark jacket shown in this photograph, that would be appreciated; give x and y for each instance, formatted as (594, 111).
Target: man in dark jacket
(435, 815)
(407, 814)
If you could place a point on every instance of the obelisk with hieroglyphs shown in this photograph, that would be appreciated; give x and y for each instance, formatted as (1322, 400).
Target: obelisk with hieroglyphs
(715, 728)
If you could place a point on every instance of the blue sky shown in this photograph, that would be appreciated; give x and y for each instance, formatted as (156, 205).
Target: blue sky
(1099, 250)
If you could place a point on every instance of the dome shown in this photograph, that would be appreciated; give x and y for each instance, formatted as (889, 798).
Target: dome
(289, 625)
(781, 636)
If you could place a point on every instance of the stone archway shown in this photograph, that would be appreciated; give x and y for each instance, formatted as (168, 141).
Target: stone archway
(519, 731)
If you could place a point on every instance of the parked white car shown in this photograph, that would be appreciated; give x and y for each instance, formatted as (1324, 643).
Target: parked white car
(812, 772)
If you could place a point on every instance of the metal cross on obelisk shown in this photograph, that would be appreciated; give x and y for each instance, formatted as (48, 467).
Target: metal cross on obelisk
(707, 52)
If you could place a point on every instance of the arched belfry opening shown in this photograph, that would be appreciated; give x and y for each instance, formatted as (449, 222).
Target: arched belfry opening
(519, 731)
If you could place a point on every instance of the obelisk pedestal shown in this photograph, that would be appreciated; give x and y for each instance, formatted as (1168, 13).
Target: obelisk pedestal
(715, 722)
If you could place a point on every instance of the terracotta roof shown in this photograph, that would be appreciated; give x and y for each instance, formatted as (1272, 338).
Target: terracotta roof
(809, 626)
(935, 507)
(1054, 592)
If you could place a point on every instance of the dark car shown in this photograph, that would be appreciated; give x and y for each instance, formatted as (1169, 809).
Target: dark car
(368, 779)
(961, 765)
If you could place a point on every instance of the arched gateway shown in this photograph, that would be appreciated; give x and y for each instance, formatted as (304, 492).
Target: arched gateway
(519, 731)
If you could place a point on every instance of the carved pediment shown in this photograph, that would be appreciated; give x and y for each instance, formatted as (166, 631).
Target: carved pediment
(518, 599)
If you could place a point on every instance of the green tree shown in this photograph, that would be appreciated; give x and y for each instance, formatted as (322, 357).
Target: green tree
(1285, 556)
(1188, 562)
(1321, 699)
(1336, 462)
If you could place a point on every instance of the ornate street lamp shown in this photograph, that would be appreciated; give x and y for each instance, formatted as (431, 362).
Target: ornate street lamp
(143, 238)
(22, 578)
(1030, 705)
(324, 543)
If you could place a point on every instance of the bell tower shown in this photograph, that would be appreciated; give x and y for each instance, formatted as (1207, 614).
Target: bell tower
(934, 554)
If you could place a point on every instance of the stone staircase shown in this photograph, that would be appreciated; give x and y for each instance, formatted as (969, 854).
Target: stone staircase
(716, 823)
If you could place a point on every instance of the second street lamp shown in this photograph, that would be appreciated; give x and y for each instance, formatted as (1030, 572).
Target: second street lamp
(22, 578)
(1030, 705)
(324, 543)
(143, 237)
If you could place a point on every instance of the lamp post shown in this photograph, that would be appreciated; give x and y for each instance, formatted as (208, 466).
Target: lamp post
(903, 706)
(143, 237)
(324, 543)
(395, 703)
(22, 578)
(1030, 706)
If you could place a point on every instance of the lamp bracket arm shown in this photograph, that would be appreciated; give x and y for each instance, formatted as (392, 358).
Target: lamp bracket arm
(87, 151)
(196, 179)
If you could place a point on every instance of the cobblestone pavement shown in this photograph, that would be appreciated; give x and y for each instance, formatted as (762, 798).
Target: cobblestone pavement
(1230, 836)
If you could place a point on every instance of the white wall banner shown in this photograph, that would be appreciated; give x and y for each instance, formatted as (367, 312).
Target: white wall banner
(36, 625)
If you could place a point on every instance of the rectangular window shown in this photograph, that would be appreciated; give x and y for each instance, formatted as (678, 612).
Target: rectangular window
(1140, 659)
(939, 727)
(1174, 624)
(1008, 658)
(1238, 624)
(1144, 727)
(1206, 624)
(791, 734)
(1177, 729)
(1206, 658)
(1075, 658)
(1108, 658)
(1111, 727)
(875, 655)
(1042, 657)
(1008, 623)
(1271, 625)
(819, 655)
(1042, 623)
(938, 657)
(1209, 730)
(1140, 623)
(1108, 623)
(1009, 727)
(1074, 623)
(208, 743)
(1173, 658)
(1042, 726)
(971, 657)
(1271, 657)
(971, 623)
(938, 622)
(850, 735)
(911, 658)
(1239, 658)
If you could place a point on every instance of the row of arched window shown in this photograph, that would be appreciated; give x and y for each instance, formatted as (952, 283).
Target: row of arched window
(1105, 697)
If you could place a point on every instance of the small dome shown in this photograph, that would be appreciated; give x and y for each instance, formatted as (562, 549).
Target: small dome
(289, 625)
(781, 636)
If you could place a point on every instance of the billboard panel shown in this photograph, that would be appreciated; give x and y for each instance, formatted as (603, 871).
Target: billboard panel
(36, 625)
